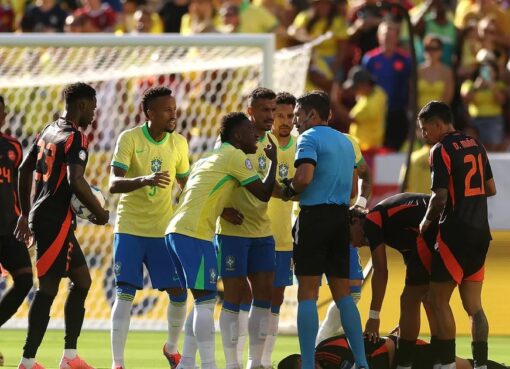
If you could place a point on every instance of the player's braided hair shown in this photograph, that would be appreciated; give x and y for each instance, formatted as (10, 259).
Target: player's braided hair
(261, 93)
(152, 94)
(229, 123)
(318, 100)
(77, 91)
(285, 98)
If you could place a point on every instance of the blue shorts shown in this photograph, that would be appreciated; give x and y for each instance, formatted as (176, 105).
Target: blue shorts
(131, 253)
(240, 256)
(195, 261)
(355, 268)
(284, 272)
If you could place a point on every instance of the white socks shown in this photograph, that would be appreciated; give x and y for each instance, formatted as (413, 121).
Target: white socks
(121, 316)
(257, 330)
(27, 363)
(243, 332)
(70, 353)
(272, 333)
(203, 328)
(229, 327)
(189, 348)
(176, 314)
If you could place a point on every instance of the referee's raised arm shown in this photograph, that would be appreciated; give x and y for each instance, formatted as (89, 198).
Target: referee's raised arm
(324, 164)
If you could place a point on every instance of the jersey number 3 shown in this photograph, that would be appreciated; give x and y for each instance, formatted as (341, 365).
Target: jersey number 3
(48, 151)
(476, 167)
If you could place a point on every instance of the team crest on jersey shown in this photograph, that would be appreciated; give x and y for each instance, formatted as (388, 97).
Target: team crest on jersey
(247, 162)
(12, 155)
(262, 162)
(230, 262)
(156, 165)
(117, 267)
(212, 275)
(283, 170)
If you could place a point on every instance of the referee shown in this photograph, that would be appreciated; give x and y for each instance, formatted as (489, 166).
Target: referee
(324, 164)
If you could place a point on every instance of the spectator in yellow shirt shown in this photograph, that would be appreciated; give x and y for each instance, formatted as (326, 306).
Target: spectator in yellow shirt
(418, 179)
(369, 112)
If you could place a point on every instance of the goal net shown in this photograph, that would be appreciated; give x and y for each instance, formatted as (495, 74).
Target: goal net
(209, 75)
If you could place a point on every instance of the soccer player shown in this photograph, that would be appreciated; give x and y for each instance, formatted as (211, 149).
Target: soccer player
(246, 246)
(461, 182)
(332, 325)
(147, 160)
(325, 164)
(394, 222)
(59, 157)
(191, 230)
(335, 353)
(280, 215)
(13, 253)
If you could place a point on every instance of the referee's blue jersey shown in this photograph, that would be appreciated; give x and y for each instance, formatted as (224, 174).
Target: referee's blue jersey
(333, 156)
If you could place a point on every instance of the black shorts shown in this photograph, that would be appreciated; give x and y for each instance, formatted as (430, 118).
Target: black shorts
(13, 254)
(460, 254)
(58, 250)
(419, 260)
(321, 241)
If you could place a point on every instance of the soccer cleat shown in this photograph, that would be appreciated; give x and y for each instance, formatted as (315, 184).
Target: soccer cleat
(173, 359)
(76, 363)
(36, 366)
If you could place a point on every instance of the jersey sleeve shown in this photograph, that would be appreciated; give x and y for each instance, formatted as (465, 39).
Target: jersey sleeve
(439, 167)
(373, 229)
(241, 168)
(357, 151)
(76, 149)
(123, 152)
(306, 150)
(33, 150)
(487, 169)
(182, 168)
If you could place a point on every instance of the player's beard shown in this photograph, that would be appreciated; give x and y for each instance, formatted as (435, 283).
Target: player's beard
(284, 132)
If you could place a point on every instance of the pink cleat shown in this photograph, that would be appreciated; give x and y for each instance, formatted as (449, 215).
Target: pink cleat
(76, 363)
(173, 359)
(36, 366)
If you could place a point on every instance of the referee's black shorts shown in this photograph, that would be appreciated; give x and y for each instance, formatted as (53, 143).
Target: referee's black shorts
(321, 241)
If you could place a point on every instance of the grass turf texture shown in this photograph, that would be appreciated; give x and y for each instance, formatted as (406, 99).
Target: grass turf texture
(144, 349)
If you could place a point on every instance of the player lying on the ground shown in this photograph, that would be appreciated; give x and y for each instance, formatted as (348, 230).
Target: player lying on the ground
(335, 353)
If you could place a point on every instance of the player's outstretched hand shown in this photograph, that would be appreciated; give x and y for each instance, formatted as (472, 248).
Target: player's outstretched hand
(102, 219)
(372, 329)
(231, 215)
(22, 231)
(270, 150)
(160, 179)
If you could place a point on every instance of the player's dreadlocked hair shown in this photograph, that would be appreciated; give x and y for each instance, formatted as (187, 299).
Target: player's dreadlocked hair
(77, 91)
(357, 212)
(152, 94)
(261, 93)
(229, 123)
(318, 100)
(284, 98)
(290, 362)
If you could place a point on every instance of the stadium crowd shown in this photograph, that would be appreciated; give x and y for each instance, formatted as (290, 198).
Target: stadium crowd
(461, 51)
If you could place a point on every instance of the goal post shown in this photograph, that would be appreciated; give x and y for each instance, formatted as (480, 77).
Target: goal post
(209, 75)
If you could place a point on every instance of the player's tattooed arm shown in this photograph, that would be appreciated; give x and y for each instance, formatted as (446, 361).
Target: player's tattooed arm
(120, 184)
(25, 178)
(435, 208)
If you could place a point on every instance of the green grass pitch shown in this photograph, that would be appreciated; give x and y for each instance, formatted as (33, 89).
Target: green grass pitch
(143, 349)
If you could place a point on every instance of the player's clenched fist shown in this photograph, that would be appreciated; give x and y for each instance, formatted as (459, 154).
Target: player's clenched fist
(160, 179)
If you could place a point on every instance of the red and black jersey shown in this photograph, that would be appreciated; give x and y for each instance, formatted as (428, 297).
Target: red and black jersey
(395, 222)
(335, 353)
(57, 146)
(460, 164)
(11, 155)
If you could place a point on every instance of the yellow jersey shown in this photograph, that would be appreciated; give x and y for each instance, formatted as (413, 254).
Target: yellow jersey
(209, 186)
(484, 104)
(146, 211)
(419, 171)
(369, 114)
(279, 211)
(256, 222)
